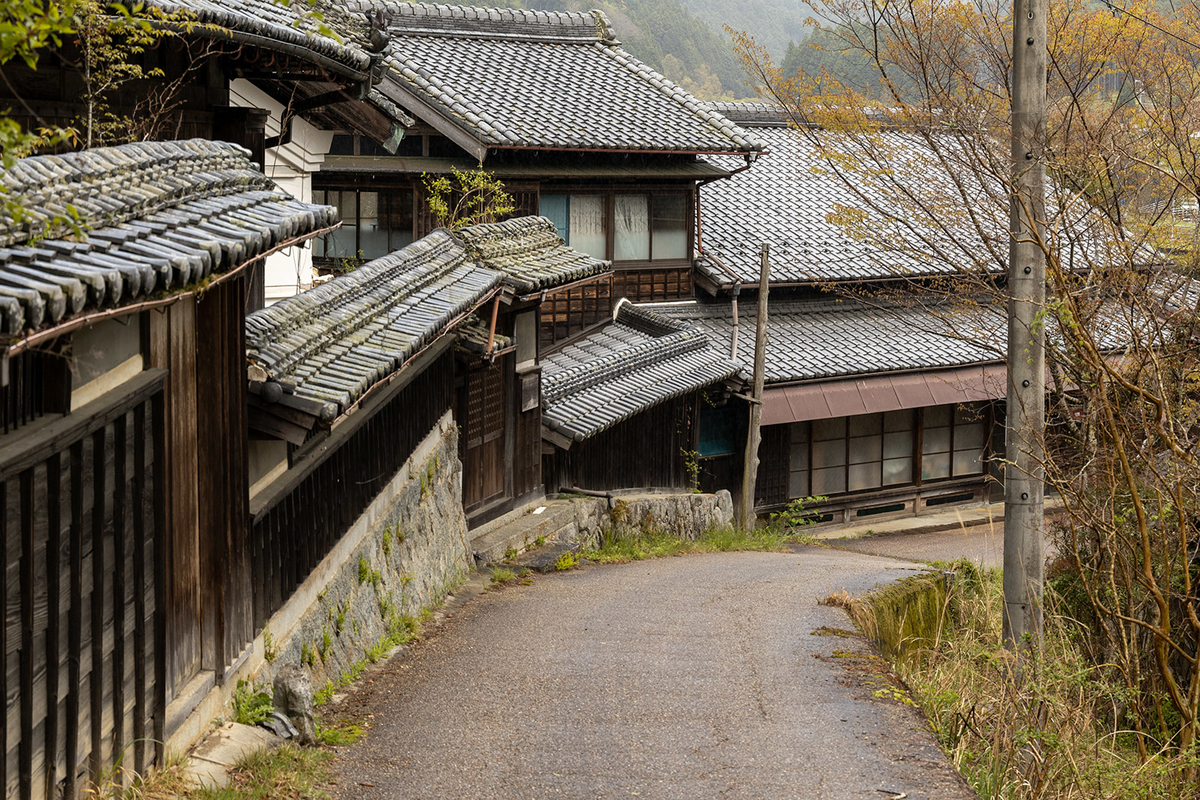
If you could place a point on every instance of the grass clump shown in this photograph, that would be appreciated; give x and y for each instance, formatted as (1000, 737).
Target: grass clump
(501, 577)
(291, 772)
(340, 735)
(1058, 732)
(621, 545)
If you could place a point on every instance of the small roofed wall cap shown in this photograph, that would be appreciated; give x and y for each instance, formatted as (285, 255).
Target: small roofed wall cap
(331, 344)
(640, 360)
(529, 252)
(103, 228)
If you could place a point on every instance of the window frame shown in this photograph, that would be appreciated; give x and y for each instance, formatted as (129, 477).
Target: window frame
(385, 195)
(610, 219)
(985, 410)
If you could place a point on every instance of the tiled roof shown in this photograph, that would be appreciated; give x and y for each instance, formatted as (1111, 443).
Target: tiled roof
(155, 216)
(1177, 292)
(336, 341)
(785, 199)
(825, 338)
(333, 343)
(529, 252)
(789, 196)
(756, 113)
(288, 26)
(542, 79)
(640, 360)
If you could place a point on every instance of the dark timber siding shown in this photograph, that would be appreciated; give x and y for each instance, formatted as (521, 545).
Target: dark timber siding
(78, 499)
(649, 450)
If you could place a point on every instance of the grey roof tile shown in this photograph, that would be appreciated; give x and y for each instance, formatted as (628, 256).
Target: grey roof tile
(788, 198)
(334, 342)
(826, 338)
(154, 216)
(640, 360)
(544, 79)
(529, 252)
(288, 26)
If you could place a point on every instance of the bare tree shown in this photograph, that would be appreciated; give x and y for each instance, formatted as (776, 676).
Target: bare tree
(928, 168)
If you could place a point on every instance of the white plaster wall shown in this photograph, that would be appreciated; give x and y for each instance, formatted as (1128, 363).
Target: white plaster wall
(291, 166)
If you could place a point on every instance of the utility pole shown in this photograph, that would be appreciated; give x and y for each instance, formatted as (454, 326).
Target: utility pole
(754, 436)
(1024, 489)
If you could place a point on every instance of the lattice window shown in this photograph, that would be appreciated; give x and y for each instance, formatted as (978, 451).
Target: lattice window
(574, 309)
(654, 285)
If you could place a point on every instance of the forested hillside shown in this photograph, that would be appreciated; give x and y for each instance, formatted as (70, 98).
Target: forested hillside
(688, 43)
(668, 37)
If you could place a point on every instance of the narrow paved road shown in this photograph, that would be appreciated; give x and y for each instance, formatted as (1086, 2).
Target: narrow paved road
(691, 677)
(980, 544)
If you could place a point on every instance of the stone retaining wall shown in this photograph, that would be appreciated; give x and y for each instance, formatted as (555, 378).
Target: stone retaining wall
(408, 551)
(686, 515)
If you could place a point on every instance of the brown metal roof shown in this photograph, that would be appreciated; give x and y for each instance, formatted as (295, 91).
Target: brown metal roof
(880, 393)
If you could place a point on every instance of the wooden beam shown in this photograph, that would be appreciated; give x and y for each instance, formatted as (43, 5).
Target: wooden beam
(59, 434)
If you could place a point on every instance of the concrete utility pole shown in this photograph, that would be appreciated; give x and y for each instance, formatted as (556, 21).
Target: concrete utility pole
(754, 436)
(1024, 513)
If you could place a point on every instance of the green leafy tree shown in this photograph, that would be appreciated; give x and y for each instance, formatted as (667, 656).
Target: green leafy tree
(467, 198)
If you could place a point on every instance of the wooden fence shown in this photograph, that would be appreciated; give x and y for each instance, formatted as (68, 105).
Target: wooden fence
(301, 519)
(81, 513)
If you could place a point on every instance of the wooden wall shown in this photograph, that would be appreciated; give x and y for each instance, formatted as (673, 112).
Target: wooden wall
(81, 648)
(297, 522)
(647, 450)
(201, 342)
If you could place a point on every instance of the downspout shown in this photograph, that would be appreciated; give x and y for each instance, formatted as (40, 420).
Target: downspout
(492, 330)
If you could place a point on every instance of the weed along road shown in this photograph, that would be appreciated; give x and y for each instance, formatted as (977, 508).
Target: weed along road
(692, 677)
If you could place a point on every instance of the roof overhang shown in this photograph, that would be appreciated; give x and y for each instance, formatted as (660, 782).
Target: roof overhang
(691, 170)
(879, 393)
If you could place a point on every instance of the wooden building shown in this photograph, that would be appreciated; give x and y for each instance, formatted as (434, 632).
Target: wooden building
(125, 582)
(464, 305)
(576, 128)
(879, 396)
(622, 404)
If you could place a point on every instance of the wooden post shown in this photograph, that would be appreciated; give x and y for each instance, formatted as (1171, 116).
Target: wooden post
(1024, 513)
(753, 437)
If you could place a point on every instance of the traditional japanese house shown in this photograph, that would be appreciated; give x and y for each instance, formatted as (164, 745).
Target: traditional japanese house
(883, 402)
(347, 377)
(125, 581)
(199, 83)
(578, 131)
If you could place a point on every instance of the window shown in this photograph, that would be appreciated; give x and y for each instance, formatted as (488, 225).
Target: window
(645, 226)
(955, 438)
(373, 223)
(875, 451)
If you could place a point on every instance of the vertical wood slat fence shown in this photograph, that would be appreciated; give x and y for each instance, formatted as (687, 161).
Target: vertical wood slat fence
(299, 524)
(80, 511)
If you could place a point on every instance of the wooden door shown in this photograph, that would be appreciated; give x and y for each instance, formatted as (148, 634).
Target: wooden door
(483, 459)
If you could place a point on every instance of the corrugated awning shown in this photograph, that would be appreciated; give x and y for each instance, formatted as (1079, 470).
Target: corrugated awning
(873, 395)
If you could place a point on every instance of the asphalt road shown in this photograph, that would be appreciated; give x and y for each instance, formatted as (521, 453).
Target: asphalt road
(690, 677)
(981, 544)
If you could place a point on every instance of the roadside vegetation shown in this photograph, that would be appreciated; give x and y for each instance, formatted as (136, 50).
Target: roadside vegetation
(1061, 732)
(624, 543)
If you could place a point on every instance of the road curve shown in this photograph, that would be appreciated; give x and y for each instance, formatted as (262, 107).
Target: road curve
(690, 677)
